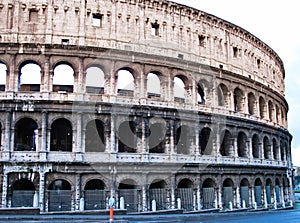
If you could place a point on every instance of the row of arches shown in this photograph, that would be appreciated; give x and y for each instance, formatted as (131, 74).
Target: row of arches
(96, 80)
(207, 194)
(159, 138)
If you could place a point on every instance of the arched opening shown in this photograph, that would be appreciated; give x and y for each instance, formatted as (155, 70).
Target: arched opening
(153, 85)
(179, 88)
(227, 193)
(262, 108)
(205, 141)
(244, 192)
(271, 111)
(251, 104)
(59, 196)
(226, 145)
(26, 135)
(61, 136)
(159, 193)
(185, 192)
(3, 74)
(258, 192)
(208, 194)
(95, 195)
(256, 146)
(275, 149)
(127, 137)
(132, 196)
(157, 135)
(125, 82)
(238, 97)
(29, 77)
(200, 93)
(183, 140)
(223, 96)
(22, 193)
(267, 148)
(94, 136)
(269, 191)
(94, 80)
(242, 145)
(63, 78)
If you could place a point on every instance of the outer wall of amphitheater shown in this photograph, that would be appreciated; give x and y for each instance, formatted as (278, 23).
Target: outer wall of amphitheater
(201, 122)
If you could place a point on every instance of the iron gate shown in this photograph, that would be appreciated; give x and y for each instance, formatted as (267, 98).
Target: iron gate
(208, 197)
(227, 196)
(95, 199)
(22, 198)
(161, 198)
(258, 195)
(245, 195)
(131, 199)
(59, 200)
(187, 198)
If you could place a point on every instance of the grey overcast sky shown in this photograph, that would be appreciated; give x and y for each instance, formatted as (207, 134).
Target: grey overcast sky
(277, 24)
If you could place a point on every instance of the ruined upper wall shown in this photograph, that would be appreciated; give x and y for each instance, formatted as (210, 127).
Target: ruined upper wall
(149, 26)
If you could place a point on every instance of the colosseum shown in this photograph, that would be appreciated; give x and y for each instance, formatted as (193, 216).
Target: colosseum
(159, 105)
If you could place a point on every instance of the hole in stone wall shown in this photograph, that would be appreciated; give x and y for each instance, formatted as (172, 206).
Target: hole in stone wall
(97, 19)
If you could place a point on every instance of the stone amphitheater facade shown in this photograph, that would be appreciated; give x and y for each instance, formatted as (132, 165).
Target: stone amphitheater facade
(160, 105)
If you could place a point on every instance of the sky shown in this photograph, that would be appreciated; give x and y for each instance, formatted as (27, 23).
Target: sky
(276, 23)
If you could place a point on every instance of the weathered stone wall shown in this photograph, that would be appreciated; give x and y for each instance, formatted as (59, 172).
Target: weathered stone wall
(181, 32)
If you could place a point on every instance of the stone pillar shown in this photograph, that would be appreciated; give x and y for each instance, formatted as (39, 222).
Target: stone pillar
(7, 135)
(282, 196)
(12, 138)
(42, 190)
(235, 147)
(43, 150)
(252, 196)
(78, 147)
(199, 204)
(250, 151)
(77, 191)
(144, 198)
(265, 197)
(220, 197)
(172, 144)
(113, 138)
(4, 189)
(173, 189)
(238, 197)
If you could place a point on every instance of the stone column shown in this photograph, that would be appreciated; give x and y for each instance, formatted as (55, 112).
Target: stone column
(252, 196)
(238, 197)
(199, 204)
(43, 150)
(12, 138)
(220, 197)
(4, 189)
(42, 190)
(77, 191)
(173, 188)
(78, 147)
(113, 138)
(265, 197)
(172, 144)
(282, 196)
(7, 136)
(144, 197)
